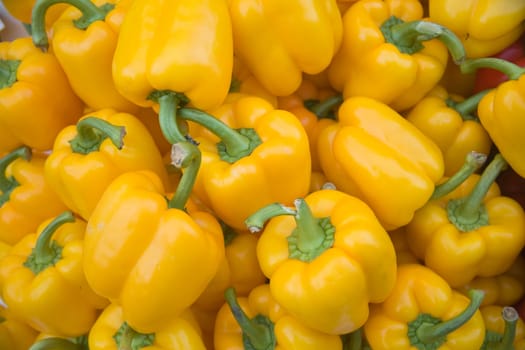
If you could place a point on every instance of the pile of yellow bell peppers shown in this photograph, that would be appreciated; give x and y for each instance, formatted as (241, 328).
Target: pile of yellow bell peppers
(261, 174)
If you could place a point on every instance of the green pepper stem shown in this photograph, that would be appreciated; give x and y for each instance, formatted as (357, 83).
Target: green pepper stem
(235, 142)
(428, 333)
(311, 235)
(259, 335)
(8, 72)
(354, 340)
(187, 156)
(409, 34)
(468, 210)
(92, 131)
(322, 108)
(473, 162)
(42, 251)
(510, 316)
(125, 341)
(6, 184)
(90, 13)
(169, 103)
(466, 107)
(55, 343)
(256, 221)
(511, 70)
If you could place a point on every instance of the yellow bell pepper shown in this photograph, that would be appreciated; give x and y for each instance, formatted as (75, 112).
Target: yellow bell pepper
(327, 262)
(485, 27)
(501, 110)
(31, 80)
(185, 55)
(423, 312)
(84, 39)
(139, 245)
(505, 329)
(451, 125)
(403, 253)
(22, 10)
(375, 154)
(245, 83)
(507, 288)
(26, 198)
(43, 282)
(292, 37)
(239, 269)
(46, 341)
(479, 231)
(259, 322)
(252, 155)
(112, 332)
(390, 53)
(87, 156)
(14, 334)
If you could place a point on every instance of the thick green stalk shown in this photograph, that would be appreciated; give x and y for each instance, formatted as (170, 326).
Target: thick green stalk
(511, 70)
(184, 155)
(92, 131)
(8, 72)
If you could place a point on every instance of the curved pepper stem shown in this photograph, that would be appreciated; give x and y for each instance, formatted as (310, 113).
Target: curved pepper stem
(57, 343)
(47, 252)
(8, 184)
(184, 155)
(8, 72)
(129, 339)
(469, 213)
(408, 36)
(92, 131)
(496, 341)
(511, 70)
(170, 125)
(322, 109)
(467, 107)
(234, 145)
(311, 236)
(258, 332)
(429, 332)
(90, 13)
(473, 162)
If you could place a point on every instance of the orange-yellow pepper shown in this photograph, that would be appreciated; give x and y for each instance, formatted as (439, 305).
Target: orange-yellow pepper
(112, 332)
(87, 156)
(22, 10)
(326, 260)
(505, 329)
(139, 247)
(36, 99)
(85, 48)
(423, 312)
(375, 154)
(14, 334)
(257, 321)
(390, 54)
(266, 160)
(485, 27)
(43, 282)
(450, 123)
(26, 198)
(507, 288)
(403, 253)
(245, 83)
(292, 37)
(479, 231)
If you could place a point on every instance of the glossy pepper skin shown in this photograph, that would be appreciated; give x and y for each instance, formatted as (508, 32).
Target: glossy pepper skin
(85, 48)
(166, 29)
(327, 266)
(478, 240)
(43, 282)
(276, 169)
(375, 154)
(22, 10)
(304, 37)
(422, 298)
(79, 172)
(14, 334)
(277, 328)
(485, 27)
(27, 199)
(111, 332)
(370, 65)
(137, 249)
(452, 125)
(497, 320)
(33, 81)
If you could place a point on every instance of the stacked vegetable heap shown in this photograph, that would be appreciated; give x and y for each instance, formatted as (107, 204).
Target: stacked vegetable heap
(263, 174)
